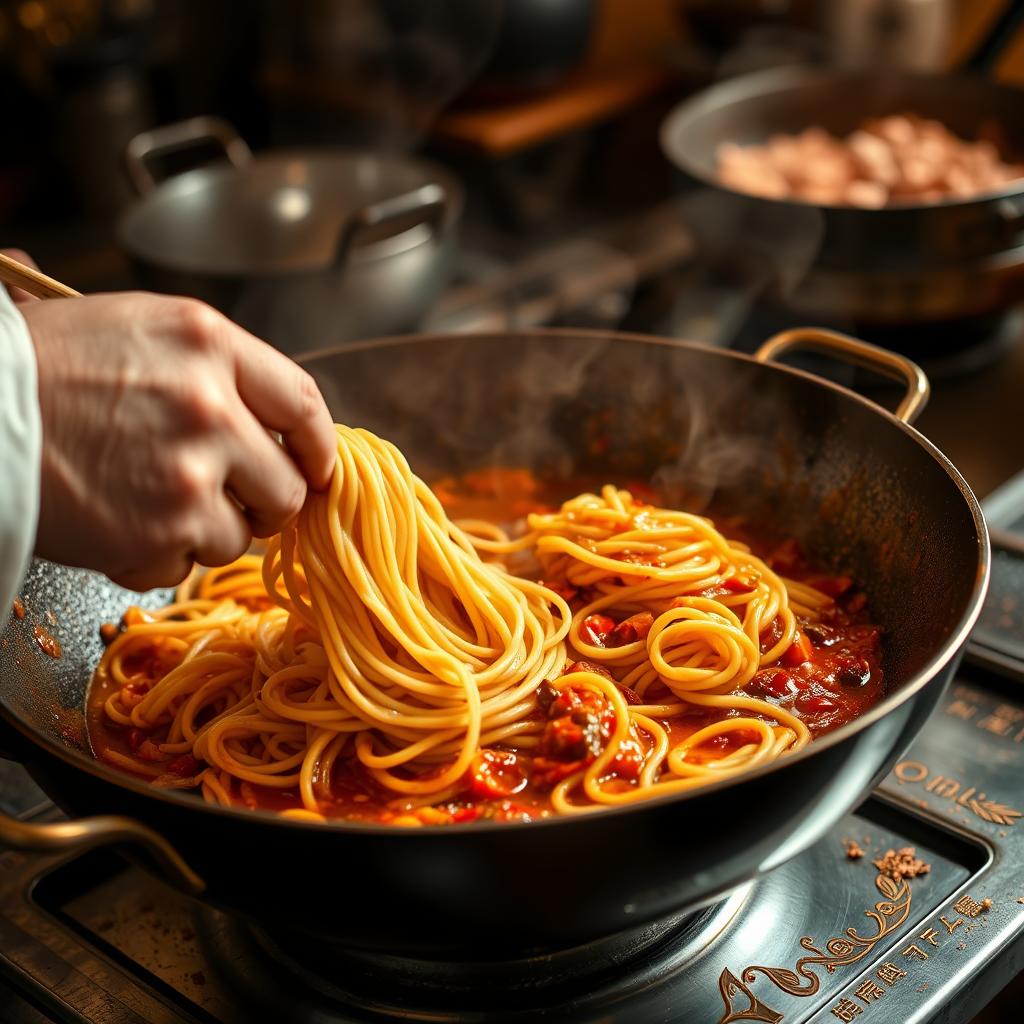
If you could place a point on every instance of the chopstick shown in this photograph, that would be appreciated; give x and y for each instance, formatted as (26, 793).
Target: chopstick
(33, 281)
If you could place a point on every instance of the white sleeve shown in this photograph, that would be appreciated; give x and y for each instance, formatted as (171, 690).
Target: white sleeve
(21, 437)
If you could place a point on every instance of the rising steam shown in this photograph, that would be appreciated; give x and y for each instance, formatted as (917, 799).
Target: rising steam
(389, 65)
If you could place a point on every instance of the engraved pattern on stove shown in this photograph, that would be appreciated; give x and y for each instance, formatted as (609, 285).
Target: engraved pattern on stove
(840, 951)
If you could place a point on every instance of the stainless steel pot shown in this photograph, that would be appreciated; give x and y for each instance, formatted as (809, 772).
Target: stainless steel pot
(949, 270)
(913, 264)
(303, 248)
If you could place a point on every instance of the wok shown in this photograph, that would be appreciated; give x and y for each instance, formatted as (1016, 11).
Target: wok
(874, 270)
(302, 247)
(859, 487)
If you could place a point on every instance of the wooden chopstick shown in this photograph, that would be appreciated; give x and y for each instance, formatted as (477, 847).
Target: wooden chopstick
(33, 281)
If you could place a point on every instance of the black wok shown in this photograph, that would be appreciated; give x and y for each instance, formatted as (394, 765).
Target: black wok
(860, 488)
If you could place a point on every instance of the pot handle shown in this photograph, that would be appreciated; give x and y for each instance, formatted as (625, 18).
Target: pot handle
(851, 350)
(429, 201)
(173, 138)
(89, 833)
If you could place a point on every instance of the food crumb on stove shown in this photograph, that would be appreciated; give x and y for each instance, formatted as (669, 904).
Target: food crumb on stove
(198, 978)
(18, 608)
(853, 851)
(921, 803)
(986, 904)
(902, 863)
(109, 632)
(1002, 833)
(963, 945)
(923, 987)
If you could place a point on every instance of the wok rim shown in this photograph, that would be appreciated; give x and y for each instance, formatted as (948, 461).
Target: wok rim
(771, 81)
(910, 689)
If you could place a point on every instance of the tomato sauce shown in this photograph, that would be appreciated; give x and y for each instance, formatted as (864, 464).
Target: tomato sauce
(829, 677)
(48, 643)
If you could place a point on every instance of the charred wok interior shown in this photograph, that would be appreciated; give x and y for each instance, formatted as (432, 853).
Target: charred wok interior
(860, 491)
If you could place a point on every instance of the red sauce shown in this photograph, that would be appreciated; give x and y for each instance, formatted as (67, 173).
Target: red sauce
(828, 677)
(48, 643)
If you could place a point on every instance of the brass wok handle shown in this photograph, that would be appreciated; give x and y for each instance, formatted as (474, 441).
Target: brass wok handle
(89, 833)
(851, 350)
(174, 138)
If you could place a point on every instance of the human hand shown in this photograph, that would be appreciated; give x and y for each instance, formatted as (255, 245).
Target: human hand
(156, 452)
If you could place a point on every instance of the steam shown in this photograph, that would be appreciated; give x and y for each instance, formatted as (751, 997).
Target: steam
(768, 46)
(526, 401)
(590, 403)
(391, 65)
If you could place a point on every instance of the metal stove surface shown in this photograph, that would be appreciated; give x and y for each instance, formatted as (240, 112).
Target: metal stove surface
(824, 938)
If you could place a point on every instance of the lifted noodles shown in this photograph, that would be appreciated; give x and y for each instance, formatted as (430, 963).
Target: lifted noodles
(378, 637)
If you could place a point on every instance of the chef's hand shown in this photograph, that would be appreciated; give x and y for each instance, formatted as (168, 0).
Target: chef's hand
(156, 451)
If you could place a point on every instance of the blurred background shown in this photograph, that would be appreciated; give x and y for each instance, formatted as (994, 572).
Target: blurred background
(475, 164)
(547, 111)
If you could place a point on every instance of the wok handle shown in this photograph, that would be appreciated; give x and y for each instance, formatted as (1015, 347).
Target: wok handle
(851, 350)
(174, 138)
(429, 201)
(89, 833)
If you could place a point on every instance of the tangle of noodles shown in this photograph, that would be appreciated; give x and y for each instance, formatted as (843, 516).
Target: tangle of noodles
(377, 637)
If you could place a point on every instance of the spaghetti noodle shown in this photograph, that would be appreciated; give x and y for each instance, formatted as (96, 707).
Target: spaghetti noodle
(383, 661)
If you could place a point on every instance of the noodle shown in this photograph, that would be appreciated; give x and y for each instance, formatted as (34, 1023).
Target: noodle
(378, 640)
